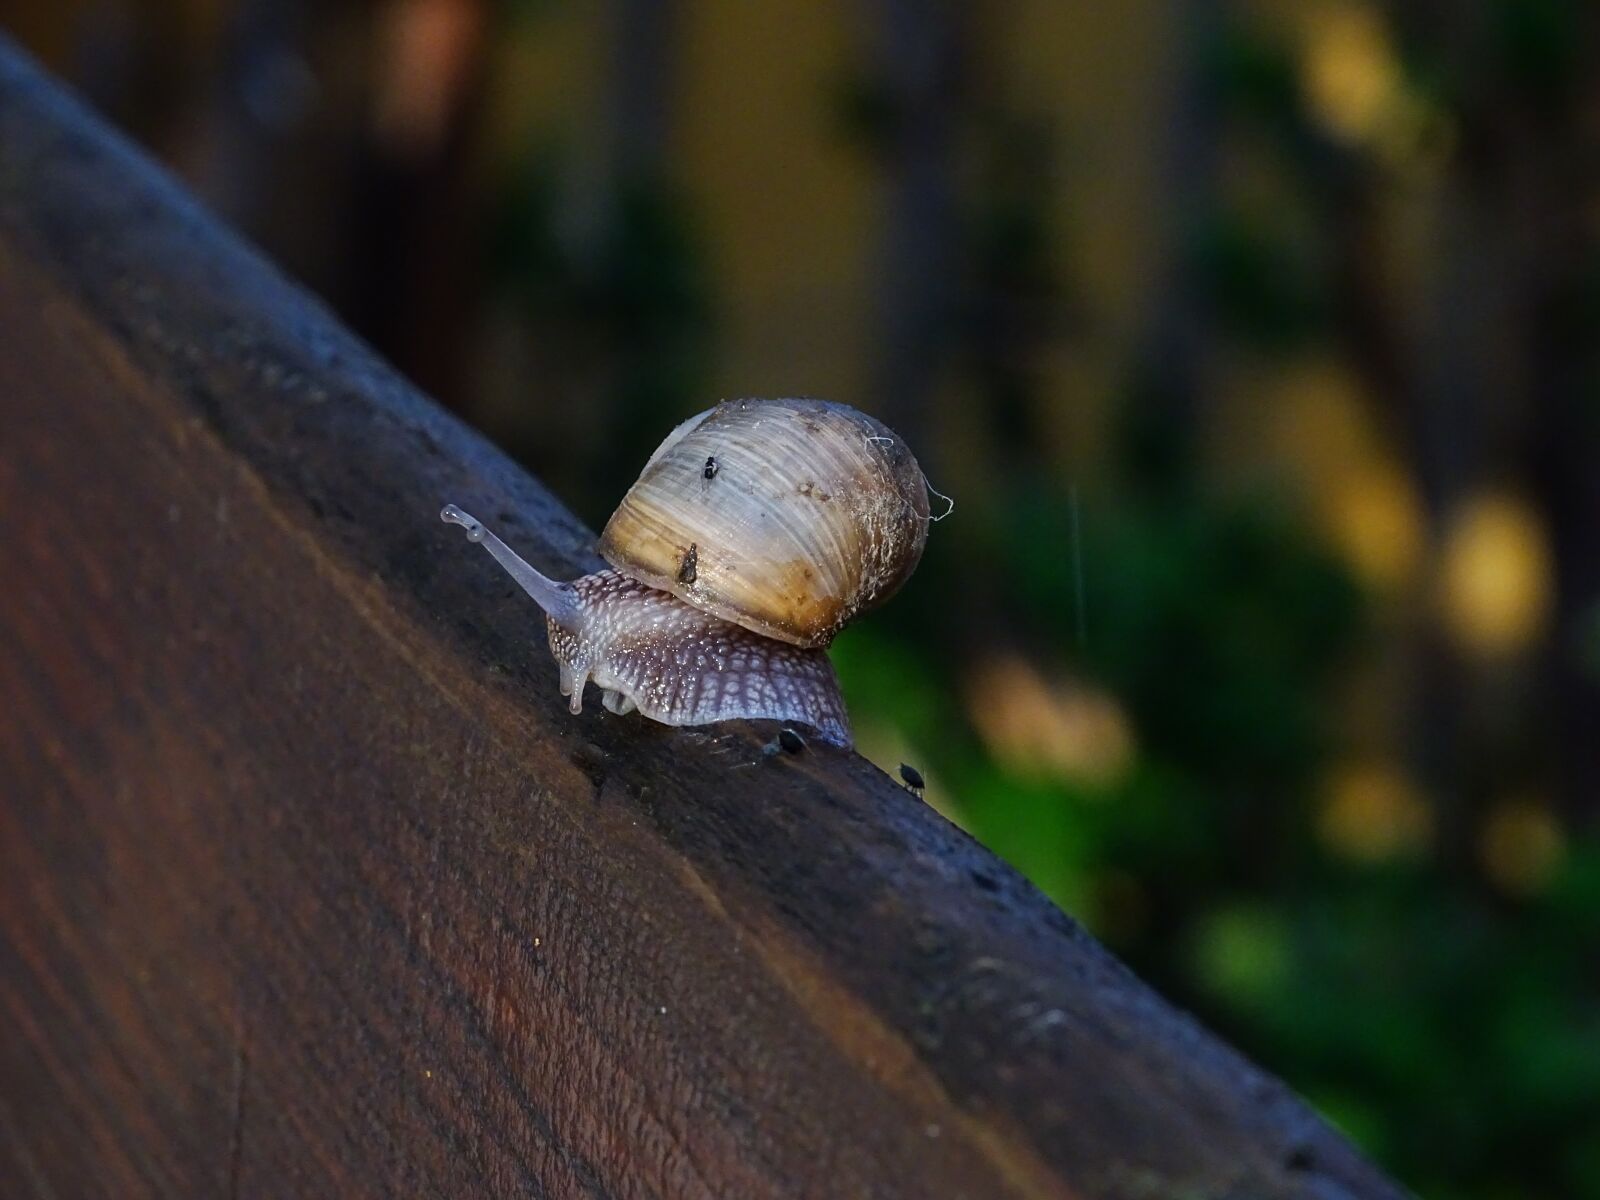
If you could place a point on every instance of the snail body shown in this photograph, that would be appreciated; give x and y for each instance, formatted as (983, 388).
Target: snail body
(755, 532)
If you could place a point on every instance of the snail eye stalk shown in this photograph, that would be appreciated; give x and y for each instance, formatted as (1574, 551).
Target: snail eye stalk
(557, 599)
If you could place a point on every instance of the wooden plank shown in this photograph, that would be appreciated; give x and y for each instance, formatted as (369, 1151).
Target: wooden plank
(313, 887)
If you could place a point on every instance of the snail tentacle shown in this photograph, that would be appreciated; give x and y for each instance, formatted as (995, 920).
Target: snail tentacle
(558, 600)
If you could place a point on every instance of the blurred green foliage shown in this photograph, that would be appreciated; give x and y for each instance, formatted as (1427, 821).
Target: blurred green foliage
(1452, 1032)
(1448, 1026)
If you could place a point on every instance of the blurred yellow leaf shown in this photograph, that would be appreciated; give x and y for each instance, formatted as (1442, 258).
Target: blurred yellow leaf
(1376, 518)
(1321, 422)
(1365, 500)
(1352, 74)
(1521, 845)
(1357, 89)
(1036, 726)
(1495, 577)
(1371, 812)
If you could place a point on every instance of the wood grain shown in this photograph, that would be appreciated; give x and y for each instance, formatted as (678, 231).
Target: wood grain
(312, 887)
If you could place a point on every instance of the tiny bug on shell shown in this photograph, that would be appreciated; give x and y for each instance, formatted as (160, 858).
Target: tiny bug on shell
(712, 467)
(912, 776)
(691, 560)
(790, 740)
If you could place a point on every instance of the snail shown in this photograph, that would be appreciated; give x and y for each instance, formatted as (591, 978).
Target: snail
(756, 531)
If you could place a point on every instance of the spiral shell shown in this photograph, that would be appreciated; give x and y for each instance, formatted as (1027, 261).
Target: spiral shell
(787, 517)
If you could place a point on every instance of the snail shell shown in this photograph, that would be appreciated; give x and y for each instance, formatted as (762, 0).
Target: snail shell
(813, 512)
(755, 532)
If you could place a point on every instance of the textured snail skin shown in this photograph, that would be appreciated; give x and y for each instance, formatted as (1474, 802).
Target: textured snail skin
(649, 651)
(680, 666)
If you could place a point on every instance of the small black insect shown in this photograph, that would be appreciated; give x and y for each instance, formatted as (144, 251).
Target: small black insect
(912, 776)
(712, 467)
(690, 565)
(790, 740)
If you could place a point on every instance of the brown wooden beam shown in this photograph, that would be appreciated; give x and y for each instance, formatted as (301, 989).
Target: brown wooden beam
(311, 886)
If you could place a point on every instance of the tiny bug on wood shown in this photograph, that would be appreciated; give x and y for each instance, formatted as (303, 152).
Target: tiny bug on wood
(912, 776)
(691, 560)
(712, 467)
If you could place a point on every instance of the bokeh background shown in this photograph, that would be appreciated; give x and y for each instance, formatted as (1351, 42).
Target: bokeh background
(1258, 343)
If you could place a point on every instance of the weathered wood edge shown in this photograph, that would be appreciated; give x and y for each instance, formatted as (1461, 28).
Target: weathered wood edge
(1004, 999)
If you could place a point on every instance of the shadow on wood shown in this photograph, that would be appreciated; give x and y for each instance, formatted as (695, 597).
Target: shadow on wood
(314, 888)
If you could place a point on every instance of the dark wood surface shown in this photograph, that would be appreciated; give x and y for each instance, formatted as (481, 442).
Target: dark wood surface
(312, 887)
